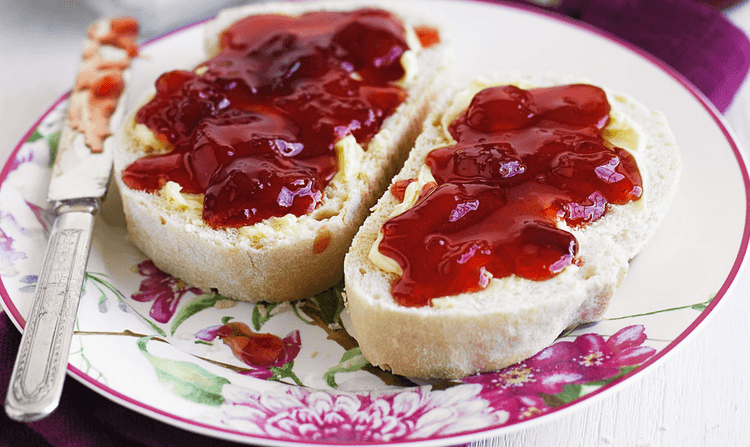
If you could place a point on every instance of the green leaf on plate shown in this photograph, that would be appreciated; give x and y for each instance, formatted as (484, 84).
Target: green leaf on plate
(35, 136)
(193, 307)
(185, 379)
(351, 361)
(285, 372)
(570, 393)
(702, 306)
(53, 140)
(261, 314)
(330, 303)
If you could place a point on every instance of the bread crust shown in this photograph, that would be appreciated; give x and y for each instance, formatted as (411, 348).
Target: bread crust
(292, 258)
(513, 318)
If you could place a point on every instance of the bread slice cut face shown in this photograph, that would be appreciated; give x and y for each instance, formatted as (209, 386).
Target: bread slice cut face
(500, 319)
(201, 224)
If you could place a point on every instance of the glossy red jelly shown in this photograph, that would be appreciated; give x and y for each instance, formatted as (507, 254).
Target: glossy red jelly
(255, 131)
(523, 160)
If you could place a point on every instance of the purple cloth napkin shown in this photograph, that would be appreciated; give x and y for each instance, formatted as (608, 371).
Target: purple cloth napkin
(691, 37)
(694, 39)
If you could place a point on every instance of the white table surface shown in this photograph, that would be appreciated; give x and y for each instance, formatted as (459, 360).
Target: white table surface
(698, 395)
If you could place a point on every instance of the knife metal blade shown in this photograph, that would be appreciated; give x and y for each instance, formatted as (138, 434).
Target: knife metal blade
(78, 184)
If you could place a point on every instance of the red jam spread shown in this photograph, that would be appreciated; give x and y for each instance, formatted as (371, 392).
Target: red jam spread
(255, 130)
(524, 159)
(99, 83)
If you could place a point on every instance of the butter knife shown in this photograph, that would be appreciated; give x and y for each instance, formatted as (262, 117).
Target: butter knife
(78, 183)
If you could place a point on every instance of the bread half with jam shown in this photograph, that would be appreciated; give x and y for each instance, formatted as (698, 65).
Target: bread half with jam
(515, 217)
(250, 174)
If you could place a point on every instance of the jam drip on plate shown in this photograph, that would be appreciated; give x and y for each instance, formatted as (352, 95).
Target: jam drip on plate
(254, 128)
(524, 160)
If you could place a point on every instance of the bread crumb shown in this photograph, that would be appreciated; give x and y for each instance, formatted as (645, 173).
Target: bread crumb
(224, 304)
(314, 354)
(280, 307)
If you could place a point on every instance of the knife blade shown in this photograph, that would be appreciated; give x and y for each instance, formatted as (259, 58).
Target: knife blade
(78, 184)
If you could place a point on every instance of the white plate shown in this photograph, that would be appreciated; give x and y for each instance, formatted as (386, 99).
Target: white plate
(122, 352)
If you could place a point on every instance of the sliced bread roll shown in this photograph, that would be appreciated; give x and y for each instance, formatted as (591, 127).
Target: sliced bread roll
(286, 257)
(512, 318)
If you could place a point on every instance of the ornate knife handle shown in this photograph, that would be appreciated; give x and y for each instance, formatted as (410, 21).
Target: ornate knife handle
(39, 372)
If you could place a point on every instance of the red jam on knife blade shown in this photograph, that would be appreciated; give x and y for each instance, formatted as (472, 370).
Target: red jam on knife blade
(254, 128)
(524, 159)
(99, 83)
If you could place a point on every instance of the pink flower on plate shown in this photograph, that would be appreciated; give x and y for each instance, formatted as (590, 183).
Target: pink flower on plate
(521, 408)
(296, 413)
(593, 358)
(164, 290)
(589, 358)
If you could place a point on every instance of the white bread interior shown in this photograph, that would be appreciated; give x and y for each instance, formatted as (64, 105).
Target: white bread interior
(286, 258)
(513, 318)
